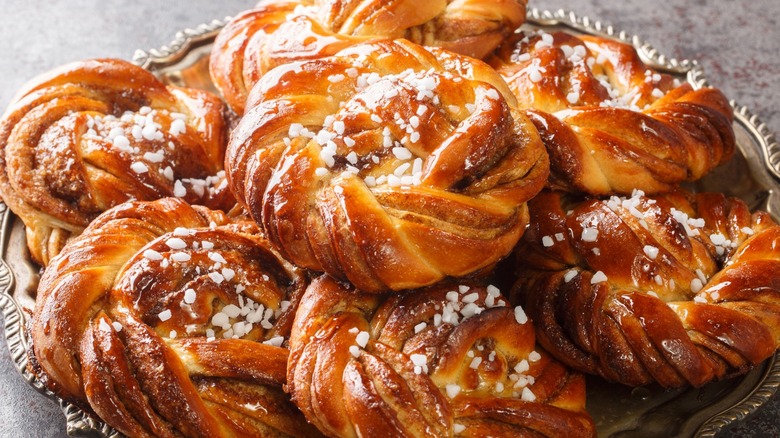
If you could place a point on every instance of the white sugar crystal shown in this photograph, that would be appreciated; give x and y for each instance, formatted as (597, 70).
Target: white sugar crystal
(180, 257)
(217, 257)
(179, 190)
(475, 362)
(419, 359)
(598, 277)
(590, 234)
(175, 243)
(402, 153)
(154, 157)
(164, 315)
(231, 310)
(534, 356)
(470, 310)
(520, 315)
(528, 395)
(178, 127)
(228, 274)
(569, 276)
(153, 255)
(362, 339)
(470, 298)
(276, 341)
(651, 251)
(452, 390)
(139, 167)
(354, 351)
(717, 239)
(189, 296)
(122, 143)
(696, 285)
(220, 319)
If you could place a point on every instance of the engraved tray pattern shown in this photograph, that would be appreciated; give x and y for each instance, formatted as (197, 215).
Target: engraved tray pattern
(703, 412)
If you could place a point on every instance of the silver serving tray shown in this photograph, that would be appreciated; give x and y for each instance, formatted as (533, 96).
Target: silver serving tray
(753, 175)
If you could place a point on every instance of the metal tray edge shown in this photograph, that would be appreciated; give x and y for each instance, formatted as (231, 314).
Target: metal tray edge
(80, 423)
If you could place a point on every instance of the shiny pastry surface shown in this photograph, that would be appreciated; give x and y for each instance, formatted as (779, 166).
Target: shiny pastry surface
(278, 32)
(611, 123)
(449, 360)
(90, 135)
(166, 319)
(387, 165)
(679, 289)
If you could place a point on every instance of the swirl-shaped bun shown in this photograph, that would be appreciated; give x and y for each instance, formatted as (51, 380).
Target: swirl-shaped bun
(167, 319)
(611, 123)
(677, 289)
(446, 360)
(93, 134)
(386, 166)
(279, 32)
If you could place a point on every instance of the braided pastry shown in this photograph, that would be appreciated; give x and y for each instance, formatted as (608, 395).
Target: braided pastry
(93, 134)
(278, 32)
(611, 123)
(678, 289)
(386, 166)
(447, 360)
(167, 319)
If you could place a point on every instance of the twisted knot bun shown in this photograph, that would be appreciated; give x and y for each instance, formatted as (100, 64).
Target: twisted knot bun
(93, 134)
(678, 289)
(611, 123)
(167, 319)
(447, 360)
(386, 166)
(279, 32)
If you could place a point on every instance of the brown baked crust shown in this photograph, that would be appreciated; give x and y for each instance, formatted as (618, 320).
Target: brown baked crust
(610, 122)
(441, 361)
(61, 163)
(316, 161)
(279, 32)
(678, 289)
(123, 317)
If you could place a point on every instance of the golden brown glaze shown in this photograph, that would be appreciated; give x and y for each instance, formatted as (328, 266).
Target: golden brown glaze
(449, 360)
(127, 324)
(93, 134)
(678, 289)
(279, 32)
(386, 165)
(611, 123)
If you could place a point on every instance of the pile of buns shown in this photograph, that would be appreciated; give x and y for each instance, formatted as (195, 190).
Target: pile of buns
(314, 251)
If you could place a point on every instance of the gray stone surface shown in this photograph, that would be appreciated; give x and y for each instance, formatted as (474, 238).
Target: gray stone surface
(736, 42)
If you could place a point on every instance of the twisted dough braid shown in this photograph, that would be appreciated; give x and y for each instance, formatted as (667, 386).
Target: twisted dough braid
(279, 32)
(677, 289)
(447, 360)
(386, 166)
(93, 134)
(167, 319)
(611, 123)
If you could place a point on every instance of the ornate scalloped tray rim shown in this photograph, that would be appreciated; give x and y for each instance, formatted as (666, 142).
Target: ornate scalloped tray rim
(79, 423)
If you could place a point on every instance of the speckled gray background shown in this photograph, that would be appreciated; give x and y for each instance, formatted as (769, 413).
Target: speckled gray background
(736, 42)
